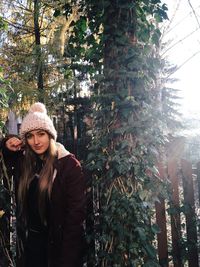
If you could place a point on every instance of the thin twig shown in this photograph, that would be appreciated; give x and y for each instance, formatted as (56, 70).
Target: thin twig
(194, 13)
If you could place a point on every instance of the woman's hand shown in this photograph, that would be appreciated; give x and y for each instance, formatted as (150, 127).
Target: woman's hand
(14, 144)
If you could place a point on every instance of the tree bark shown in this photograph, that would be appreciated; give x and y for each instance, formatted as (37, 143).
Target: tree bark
(38, 51)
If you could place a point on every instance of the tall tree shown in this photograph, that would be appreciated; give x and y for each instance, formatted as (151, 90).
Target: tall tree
(38, 51)
(127, 130)
(33, 48)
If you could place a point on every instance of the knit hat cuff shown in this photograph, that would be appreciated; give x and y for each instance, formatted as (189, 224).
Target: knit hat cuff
(37, 119)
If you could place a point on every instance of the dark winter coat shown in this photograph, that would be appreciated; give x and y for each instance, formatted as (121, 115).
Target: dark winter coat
(66, 210)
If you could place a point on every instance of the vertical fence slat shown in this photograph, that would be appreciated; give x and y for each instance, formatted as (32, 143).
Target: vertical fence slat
(198, 180)
(175, 218)
(90, 221)
(188, 191)
(161, 222)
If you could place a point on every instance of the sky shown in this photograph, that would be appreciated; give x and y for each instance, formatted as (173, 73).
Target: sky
(184, 51)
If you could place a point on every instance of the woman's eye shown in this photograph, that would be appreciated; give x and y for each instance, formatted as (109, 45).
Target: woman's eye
(41, 133)
(28, 136)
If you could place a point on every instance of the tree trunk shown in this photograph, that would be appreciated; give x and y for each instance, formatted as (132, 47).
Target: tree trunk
(38, 51)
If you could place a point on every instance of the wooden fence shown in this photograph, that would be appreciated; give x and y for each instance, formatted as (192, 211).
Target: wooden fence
(178, 218)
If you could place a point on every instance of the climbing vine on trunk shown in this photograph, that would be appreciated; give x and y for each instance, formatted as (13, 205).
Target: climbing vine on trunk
(127, 130)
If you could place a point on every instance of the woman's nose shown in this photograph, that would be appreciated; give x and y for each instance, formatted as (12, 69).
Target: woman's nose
(36, 140)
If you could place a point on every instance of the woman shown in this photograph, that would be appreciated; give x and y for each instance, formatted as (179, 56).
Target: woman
(50, 193)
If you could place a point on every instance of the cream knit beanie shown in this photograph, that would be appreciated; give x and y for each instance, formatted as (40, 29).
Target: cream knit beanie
(36, 119)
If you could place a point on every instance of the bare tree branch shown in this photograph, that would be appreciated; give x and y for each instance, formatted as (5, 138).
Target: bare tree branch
(194, 13)
(180, 41)
(185, 62)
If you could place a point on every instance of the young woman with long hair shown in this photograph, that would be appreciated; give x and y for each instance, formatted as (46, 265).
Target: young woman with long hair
(50, 191)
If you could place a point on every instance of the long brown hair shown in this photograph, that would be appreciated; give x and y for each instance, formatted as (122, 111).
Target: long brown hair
(45, 180)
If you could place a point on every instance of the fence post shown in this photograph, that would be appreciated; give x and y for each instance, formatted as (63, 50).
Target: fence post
(175, 216)
(5, 205)
(174, 153)
(188, 191)
(161, 222)
(90, 220)
(198, 180)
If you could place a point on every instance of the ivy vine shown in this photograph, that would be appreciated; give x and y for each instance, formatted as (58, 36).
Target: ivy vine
(122, 40)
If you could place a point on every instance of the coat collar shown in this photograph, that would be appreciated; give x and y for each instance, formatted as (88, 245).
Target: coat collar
(62, 152)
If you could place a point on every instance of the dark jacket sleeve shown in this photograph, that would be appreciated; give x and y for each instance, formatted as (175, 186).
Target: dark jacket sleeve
(12, 160)
(9, 156)
(73, 240)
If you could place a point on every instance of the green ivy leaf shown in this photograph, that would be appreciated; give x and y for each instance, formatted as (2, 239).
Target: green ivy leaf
(156, 37)
(155, 228)
(141, 233)
(150, 250)
(57, 13)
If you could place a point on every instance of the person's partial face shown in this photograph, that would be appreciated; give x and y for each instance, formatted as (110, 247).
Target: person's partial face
(38, 140)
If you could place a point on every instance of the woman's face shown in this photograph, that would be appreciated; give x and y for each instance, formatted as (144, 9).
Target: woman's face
(38, 140)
